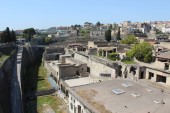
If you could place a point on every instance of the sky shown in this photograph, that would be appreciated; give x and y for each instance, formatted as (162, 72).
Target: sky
(42, 14)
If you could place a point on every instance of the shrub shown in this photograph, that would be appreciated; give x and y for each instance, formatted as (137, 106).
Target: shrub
(114, 56)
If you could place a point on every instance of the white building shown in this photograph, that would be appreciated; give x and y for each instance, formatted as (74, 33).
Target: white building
(166, 29)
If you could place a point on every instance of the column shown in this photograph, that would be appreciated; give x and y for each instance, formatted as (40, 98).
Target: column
(102, 53)
(106, 53)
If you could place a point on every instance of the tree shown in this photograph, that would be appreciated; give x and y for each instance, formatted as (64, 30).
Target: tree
(114, 56)
(142, 52)
(3, 37)
(115, 27)
(118, 35)
(48, 40)
(110, 26)
(98, 24)
(108, 35)
(8, 38)
(28, 33)
(13, 36)
(84, 33)
(131, 39)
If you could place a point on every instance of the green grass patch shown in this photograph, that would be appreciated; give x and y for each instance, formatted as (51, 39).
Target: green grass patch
(3, 58)
(129, 62)
(36, 79)
(53, 101)
(43, 102)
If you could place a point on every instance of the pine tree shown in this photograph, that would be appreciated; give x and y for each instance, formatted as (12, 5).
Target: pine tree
(118, 35)
(108, 35)
(7, 38)
(3, 37)
(13, 36)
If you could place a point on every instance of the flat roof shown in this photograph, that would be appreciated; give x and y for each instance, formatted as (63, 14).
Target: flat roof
(85, 80)
(107, 48)
(56, 64)
(165, 55)
(137, 98)
(75, 61)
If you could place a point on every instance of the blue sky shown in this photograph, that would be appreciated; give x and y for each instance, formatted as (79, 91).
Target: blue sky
(20, 14)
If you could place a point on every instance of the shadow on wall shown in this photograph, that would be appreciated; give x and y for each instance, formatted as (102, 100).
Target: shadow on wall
(30, 80)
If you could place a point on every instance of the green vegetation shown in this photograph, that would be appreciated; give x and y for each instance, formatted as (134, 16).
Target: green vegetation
(3, 58)
(42, 103)
(7, 36)
(108, 35)
(142, 52)
(100, 52)
(131, 39)
(128, 61)
(114, 56)
(118, 36)
(36, 79)
(53, 101)
(19, 36)
(158, 31)
(28, 33)
(98, 24)
(85, 33)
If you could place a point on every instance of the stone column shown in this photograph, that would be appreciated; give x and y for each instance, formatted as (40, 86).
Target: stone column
(102, 53)
(106, 53)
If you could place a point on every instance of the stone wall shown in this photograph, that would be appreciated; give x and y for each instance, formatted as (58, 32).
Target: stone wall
(5, 78)
(30, 55)
(156, 73)
(96, 68)
(67, 71)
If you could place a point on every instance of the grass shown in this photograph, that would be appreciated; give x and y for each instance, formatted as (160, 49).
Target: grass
(53, 101)
(39, 105)
(129, 62)
(36, 79)
(3, 57)
(43, 83)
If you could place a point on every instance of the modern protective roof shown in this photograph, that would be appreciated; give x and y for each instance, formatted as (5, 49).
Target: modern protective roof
(138, 98)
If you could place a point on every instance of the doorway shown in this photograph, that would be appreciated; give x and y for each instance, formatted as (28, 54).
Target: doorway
(79, 109)
(160, 78)
(142, 75)
(151, 75)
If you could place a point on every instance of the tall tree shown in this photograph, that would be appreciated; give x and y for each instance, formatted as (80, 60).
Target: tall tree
(115, 27)
(108, 35)
(110, 26)
(28, 33)
(98, 24)
(118, 35)
(3, 37)
(13, 36)
(8, 38)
